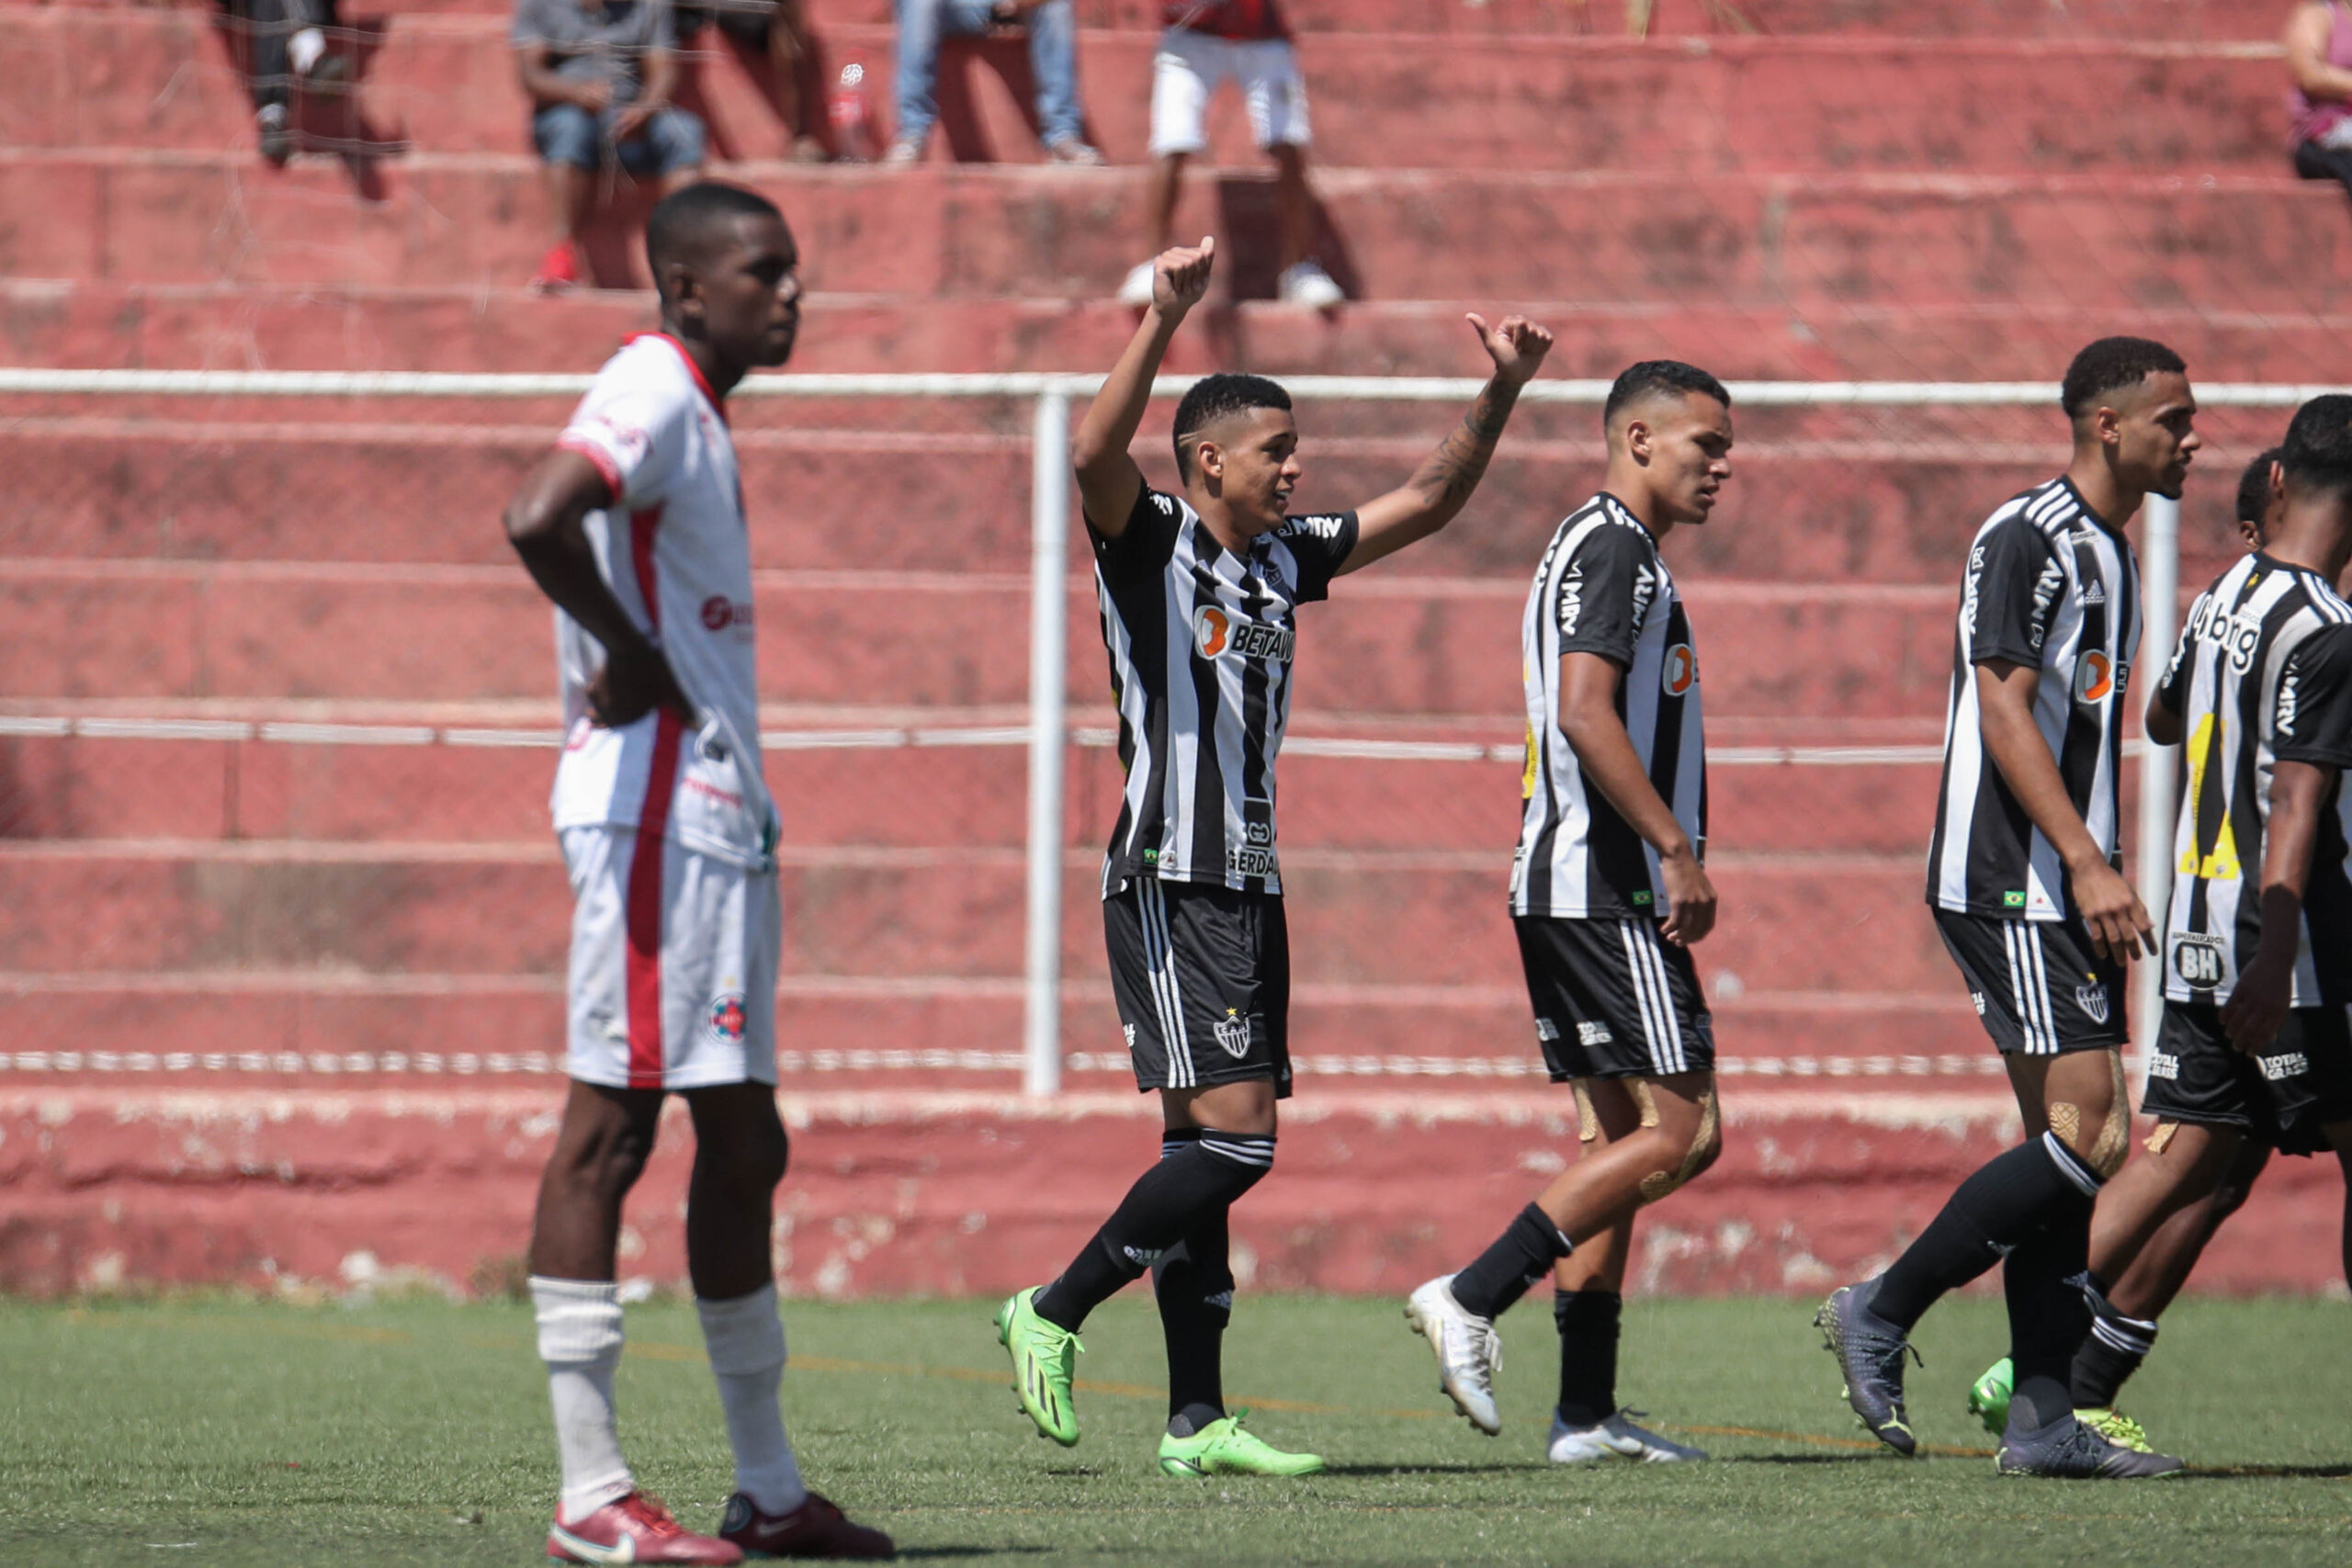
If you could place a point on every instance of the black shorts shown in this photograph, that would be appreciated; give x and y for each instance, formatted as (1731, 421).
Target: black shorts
(2037, 985)
(1611, 1001)
(2283, 1098)
(1202, 975)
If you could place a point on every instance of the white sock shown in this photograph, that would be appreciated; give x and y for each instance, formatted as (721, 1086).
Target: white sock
(580, 1339)
(302, 50)
(745, 1338)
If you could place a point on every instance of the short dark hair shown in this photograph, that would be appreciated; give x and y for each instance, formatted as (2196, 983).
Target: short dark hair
(1652, 376)
(2254, 488)
(2317, 452)
(1213, 398)
(2111, 363)
(683, 219)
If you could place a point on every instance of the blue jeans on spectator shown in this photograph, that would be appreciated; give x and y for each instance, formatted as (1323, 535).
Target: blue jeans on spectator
(1053, 60)
(566, 133)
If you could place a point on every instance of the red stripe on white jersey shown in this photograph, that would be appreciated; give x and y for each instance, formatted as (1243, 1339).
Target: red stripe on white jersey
(646, 1055)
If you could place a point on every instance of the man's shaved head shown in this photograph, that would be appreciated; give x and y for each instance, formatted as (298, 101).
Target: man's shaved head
(685, 222)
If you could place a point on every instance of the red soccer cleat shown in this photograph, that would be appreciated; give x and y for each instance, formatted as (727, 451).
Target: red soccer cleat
(558, 269)
(816, 1529)
(636, 1529)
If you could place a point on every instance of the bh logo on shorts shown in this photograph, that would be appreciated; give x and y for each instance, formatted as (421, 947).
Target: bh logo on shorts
(1679, 672)
(728, 1020)
(2094, 678)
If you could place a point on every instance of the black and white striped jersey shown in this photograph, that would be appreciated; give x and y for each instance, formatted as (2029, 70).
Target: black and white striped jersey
(1602, 589)
(1200, 641)
(2049, 585)
(2263, 674)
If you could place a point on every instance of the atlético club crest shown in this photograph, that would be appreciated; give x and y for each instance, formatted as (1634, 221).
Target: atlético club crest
(2093, 1002)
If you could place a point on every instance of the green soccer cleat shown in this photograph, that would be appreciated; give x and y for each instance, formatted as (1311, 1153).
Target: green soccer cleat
(1988, 1397)
(1222, 1448)
(2117, 1429)
(1044, 1359)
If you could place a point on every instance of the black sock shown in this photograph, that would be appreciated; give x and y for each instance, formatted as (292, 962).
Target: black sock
(2048, 1318)
(1588, 1324)
(1523, 1254)
(1194, 1283)
(2110, 1353)
(1191, 1185)
(1993, 1210)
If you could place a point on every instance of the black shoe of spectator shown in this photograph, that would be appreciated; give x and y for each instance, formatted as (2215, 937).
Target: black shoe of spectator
(277, 134)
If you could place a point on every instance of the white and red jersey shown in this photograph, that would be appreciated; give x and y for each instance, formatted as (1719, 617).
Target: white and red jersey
(676, 551)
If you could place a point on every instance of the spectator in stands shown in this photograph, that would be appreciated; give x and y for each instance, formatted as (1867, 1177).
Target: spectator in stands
(599, 73)
(1208, 42)
(1053, 60)
(2319, 59)
(286, 50)
(777, 30)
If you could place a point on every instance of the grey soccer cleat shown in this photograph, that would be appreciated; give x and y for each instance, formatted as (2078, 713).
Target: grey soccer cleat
(2071, 1449)
(1870, 1352)
(1617, 1438)
(1469, 1352)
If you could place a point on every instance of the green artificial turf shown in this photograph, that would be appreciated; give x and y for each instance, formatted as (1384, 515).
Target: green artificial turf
(174, 1433)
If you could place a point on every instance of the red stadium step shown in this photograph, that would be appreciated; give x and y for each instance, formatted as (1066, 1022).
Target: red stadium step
(971, 1194)
(1891, 500)
(85, 787)
(1318, 20)
(1397, 645)
(446, 85)
(87, 324)
(2235, 244)
(1790, 922)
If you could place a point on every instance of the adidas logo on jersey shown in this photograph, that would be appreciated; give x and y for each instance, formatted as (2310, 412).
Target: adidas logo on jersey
(2095, 595)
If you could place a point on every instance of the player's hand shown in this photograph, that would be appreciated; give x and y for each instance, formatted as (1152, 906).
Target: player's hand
(1517, 347)
(2118, 922)
(1689, 898)
(634, 118)
(2257, 1003)
(1179, 277)
(593, 96)
(633, 684)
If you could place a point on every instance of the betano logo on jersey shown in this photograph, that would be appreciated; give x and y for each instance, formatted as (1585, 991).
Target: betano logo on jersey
(2094, 678)
(1679, 670)
(1216, 632)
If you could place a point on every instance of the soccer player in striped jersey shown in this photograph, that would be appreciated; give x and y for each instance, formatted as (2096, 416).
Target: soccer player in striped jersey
(1607, 893)
(634, 526)
(1198, 591)
(2031, 902)
(2255, 1052)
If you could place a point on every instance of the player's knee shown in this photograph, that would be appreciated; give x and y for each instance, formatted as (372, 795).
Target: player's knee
(1691, 1145)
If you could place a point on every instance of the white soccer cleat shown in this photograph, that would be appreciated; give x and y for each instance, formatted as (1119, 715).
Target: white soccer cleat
(1308, 284)
(1469, 1352)
(1137, 289)
(1616, 1438)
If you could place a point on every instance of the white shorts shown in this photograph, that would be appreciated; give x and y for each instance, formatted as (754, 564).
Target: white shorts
(1191, 66)
(674, 965)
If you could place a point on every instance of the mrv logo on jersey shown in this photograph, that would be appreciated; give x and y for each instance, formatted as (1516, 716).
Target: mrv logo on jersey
(1217, 632)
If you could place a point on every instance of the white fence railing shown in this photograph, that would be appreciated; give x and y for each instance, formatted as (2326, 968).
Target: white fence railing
(1049, 732)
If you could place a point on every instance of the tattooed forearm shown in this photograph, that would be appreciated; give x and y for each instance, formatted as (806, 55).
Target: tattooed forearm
(1454, 470)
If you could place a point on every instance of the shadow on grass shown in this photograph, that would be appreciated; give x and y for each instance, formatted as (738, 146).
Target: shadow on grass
(941, 1553)
(1503, 1469)
(2268, 1473)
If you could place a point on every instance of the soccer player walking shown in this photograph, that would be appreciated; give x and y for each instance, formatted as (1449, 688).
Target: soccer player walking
(634, 525)
(1198, 595)
(1608, 892)
(2023, 875)
(2255, 1052)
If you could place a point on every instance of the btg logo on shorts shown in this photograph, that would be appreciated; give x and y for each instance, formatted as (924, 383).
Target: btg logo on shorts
(2196, 961)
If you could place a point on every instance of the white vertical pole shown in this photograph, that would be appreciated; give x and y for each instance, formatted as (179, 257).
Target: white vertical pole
(1048, 732)
(2160, 617)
